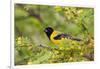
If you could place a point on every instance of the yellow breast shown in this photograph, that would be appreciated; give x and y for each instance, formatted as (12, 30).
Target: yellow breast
(55, 33)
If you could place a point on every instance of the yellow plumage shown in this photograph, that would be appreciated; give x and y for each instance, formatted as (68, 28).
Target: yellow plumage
(55, 33)
(57, 37)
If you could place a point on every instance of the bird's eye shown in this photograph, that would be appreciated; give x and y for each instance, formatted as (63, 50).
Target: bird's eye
(46, 30)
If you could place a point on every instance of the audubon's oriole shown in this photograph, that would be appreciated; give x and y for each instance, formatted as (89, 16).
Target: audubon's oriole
(57, 37)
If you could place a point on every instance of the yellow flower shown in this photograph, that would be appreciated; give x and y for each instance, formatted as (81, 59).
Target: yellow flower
(81, 53)
(19, 38)
(61, 48)
(56, 51)
(19, 42)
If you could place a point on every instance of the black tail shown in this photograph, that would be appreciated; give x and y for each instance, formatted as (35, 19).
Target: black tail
(76, 39)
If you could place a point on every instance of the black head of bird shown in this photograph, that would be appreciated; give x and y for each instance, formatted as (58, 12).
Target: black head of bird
(48, 31)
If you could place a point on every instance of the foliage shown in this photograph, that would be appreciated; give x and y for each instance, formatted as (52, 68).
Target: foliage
(32, 45)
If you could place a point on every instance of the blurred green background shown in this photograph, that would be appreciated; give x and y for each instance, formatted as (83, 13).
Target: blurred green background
(32, 45)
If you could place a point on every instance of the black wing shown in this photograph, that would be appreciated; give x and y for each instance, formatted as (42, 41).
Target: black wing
(58, 37)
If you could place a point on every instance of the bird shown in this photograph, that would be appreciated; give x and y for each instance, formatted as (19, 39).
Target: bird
(57, 37)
